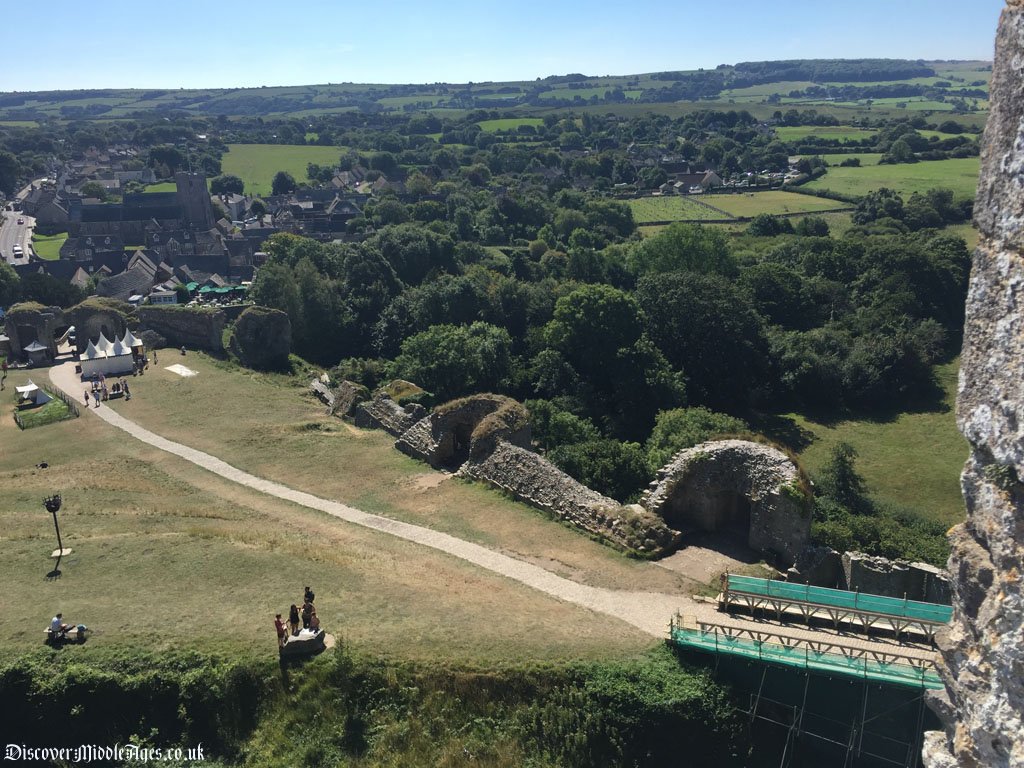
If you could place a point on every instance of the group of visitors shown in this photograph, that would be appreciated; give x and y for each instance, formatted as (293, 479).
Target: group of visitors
(101, 392)
(307, 614)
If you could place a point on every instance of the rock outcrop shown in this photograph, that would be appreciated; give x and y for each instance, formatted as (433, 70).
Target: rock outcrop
(983, 649)
(262, 338)
(747, 488)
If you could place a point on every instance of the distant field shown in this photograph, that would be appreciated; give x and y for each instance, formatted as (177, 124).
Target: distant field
(866, 158)
(914, 459)
(767, 89)
(837, 132)
(774, 202)
(959, 174)
(672, 208)
(509, 124)
(18, 123)
(48, 246)
(256, 164)
(967, 232)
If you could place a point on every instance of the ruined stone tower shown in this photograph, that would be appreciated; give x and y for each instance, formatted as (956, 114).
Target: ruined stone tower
(984, 648)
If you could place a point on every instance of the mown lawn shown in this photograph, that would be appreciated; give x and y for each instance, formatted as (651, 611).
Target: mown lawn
(509, 124)
(48, 246)
(958, 174)
(256, 164)
(836, 132)
(169, 556)
(772, 201)
(913, 459)
(670, 208)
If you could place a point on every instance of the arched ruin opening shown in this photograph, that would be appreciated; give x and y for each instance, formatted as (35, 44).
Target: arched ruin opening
(716, 510)
(747, 491)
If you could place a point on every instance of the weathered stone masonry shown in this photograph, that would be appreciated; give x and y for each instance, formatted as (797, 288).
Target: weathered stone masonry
(984, 648)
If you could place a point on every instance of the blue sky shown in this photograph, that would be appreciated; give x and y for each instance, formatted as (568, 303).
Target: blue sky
(72, 44)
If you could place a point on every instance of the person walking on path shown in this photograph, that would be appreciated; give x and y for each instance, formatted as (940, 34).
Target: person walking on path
(87, 398)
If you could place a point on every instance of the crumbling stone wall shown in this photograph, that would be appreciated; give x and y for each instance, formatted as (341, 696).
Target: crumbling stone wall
(98, 315)
(824, 567)
(983, 649)
(532, 479)
(28, 322)
(736, 485)
(895, 578)
(467, 428)
(381, 412)
(185, 326)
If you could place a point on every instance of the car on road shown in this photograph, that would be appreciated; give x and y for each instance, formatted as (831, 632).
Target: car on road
(21, 221)
(17, 251)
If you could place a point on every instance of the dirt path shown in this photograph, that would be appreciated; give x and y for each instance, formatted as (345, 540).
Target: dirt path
(648, 611)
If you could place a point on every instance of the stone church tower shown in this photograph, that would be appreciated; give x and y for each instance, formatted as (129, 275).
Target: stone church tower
(194, 199)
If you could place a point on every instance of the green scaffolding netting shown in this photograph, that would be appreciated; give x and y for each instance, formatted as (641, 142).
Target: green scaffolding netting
(894, 673)
(838, 598)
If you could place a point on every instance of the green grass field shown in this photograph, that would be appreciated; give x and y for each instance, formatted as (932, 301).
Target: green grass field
(914, 459)
(959, 174)
(670, 208)
(866, 158)
(48, 246)
(509, 124)
(163, 186)
(256, 164)
(776, 202)
(836, 132)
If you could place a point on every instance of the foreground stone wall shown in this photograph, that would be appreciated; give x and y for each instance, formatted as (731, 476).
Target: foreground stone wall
(984, 648)
(184, 326)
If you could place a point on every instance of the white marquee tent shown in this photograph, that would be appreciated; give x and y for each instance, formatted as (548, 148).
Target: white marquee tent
(109, 358)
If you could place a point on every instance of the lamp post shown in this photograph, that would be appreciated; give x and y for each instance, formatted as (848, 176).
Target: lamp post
(52, 504)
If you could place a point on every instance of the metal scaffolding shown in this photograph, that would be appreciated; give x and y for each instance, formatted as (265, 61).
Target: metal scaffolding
(863, 612)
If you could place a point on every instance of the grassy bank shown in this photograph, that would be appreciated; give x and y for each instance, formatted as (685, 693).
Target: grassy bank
(342, 709)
